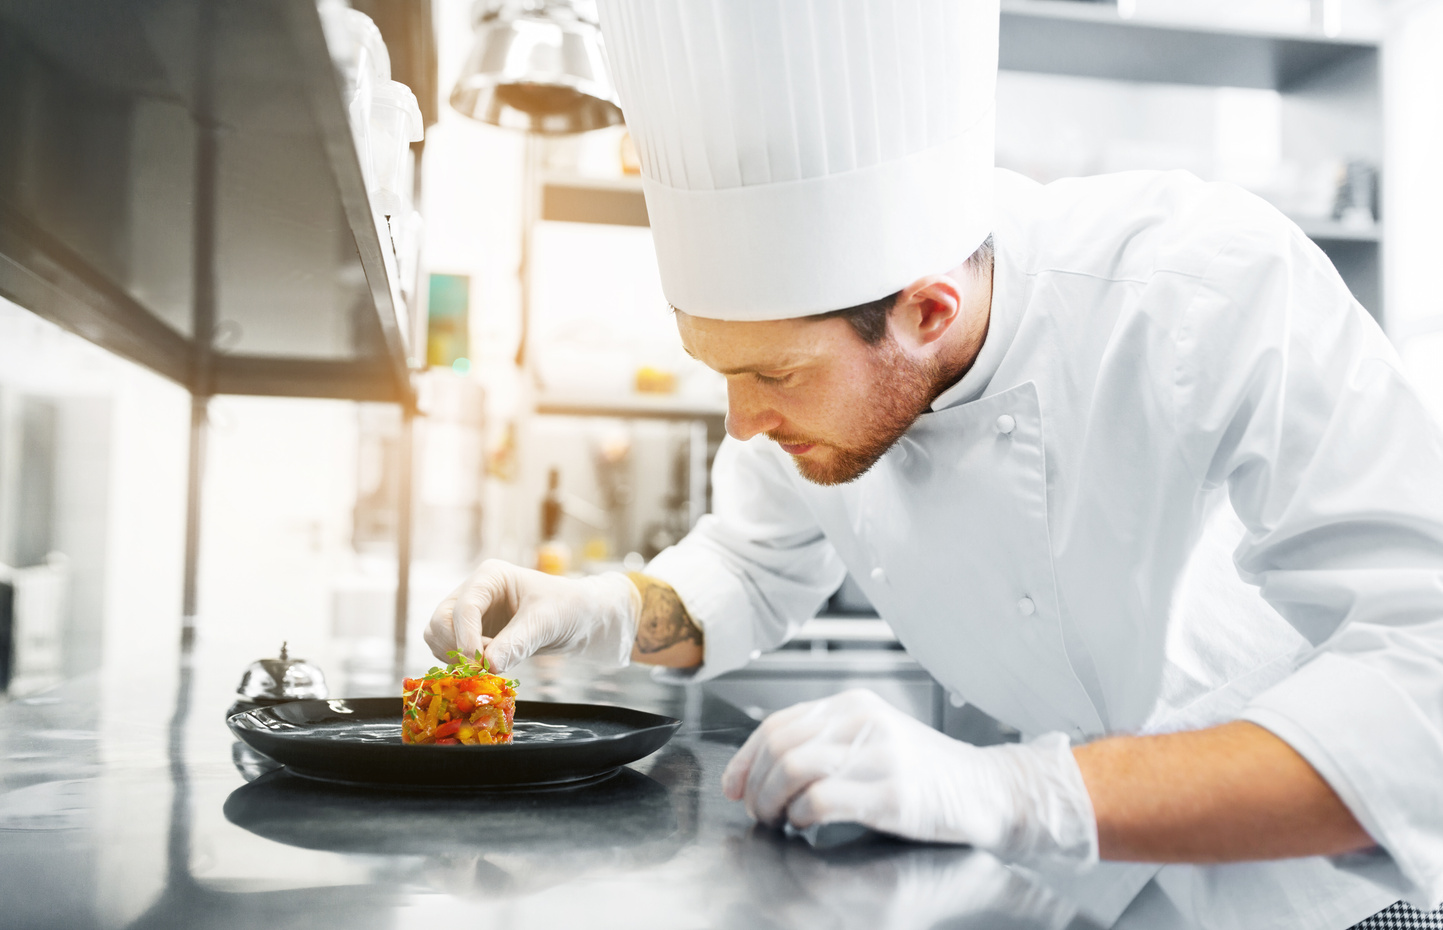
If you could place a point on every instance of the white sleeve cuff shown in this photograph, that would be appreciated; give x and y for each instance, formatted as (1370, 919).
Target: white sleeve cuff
(1377, 750)
(717, 602)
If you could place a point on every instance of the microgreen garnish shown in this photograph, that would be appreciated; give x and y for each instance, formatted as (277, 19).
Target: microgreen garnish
(463, 666)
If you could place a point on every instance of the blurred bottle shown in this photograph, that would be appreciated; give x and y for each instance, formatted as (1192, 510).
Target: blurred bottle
(1357, 195)
(553, 556)
(630, 161)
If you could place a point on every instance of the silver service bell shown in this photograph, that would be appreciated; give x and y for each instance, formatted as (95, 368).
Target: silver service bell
(275, 681)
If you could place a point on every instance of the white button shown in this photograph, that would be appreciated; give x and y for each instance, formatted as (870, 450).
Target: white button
(756, 654)
(956, 699)
(878, 575)
(1025, 607)
(1005, 424)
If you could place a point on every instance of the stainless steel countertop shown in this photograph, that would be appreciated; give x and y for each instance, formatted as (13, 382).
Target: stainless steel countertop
(129, 805)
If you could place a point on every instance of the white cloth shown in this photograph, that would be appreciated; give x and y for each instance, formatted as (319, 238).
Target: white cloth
(1184, 373)
(804, 157)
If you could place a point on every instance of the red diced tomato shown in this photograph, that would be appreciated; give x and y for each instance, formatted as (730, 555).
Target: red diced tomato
(470, 709)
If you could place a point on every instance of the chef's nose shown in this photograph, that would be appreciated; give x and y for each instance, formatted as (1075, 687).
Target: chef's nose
(748, 414)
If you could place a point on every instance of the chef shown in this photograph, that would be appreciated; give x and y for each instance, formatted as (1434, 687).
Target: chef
(1119, 459)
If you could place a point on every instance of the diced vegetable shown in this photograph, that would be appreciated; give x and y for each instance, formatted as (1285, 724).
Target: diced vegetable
(461, 704)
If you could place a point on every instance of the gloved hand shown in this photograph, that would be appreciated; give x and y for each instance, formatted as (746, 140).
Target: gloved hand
(514, 612)
(853, 757)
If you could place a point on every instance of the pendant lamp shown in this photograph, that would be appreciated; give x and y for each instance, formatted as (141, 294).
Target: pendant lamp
(537, 66)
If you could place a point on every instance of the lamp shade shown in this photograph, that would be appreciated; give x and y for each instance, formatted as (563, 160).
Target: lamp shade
(537, 65)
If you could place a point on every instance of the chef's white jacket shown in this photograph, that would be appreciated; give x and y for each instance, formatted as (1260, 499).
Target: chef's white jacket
(1184, 482)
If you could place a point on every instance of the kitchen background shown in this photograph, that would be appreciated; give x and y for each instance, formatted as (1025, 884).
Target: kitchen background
(558, 422)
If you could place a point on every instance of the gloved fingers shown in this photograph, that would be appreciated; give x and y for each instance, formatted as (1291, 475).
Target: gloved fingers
(790, 775)
(737, 776)
(503, 651)
(818, 726)
(440, 635)
(734, 776)
(490, 585)
(532, 629)
(839, 800)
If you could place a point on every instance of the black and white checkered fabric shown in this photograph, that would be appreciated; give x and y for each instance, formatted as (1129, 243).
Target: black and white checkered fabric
(1403, 916)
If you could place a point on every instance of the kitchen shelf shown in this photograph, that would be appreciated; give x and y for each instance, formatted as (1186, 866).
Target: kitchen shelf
(318, 77)
(614, 202)
(1328, 230)
(179, 184)
(846, 630)
(590, 200)
(1091, 40)
(829, 663)
(630, 406)
(1330, 90)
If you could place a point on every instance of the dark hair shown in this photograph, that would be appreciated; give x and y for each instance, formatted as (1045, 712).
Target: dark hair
(869, 320)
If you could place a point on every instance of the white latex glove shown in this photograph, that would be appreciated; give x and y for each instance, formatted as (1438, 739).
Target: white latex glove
(512, 613)
(854, 757)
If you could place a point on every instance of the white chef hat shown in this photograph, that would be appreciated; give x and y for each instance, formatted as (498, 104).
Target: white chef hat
(802, 156)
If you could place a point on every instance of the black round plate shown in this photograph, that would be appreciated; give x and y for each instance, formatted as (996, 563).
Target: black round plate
(358, 741)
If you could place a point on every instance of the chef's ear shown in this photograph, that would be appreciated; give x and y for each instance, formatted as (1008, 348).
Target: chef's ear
(925, 310)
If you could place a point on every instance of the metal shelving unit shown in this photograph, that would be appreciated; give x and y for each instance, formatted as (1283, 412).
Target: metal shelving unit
(1330, 88)
(634, 406)
(1093, 40)
(1334, 231)
(179, 184)
(608, 201)
(267, 95)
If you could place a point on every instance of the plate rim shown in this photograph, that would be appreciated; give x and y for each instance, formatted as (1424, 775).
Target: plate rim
(663, 722)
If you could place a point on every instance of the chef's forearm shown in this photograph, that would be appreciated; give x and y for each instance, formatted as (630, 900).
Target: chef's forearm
(665, 632)
(1229, 793)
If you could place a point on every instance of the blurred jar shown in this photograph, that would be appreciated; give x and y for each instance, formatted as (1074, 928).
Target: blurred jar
(395, 122)
(362, 63)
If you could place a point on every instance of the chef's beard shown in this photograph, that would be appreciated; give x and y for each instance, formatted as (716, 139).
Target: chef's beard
(901, 390)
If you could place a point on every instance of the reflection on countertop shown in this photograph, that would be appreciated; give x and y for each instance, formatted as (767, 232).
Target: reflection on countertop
(138, 810)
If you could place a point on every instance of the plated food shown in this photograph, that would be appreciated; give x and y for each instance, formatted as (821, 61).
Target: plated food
(461, 704)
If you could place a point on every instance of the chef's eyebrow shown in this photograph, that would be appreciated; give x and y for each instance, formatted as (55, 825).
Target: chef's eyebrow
(742, 370)
(745, 370)
(720, 371)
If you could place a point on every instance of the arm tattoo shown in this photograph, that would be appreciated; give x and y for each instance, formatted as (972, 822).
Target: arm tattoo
(664, 621)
